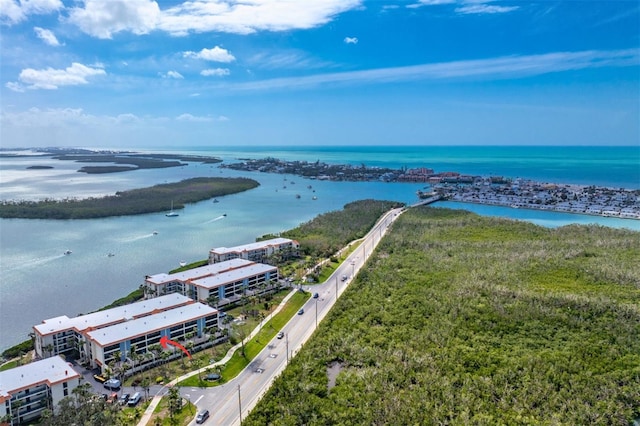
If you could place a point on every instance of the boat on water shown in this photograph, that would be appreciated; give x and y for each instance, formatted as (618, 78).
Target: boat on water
(224, 215)
(297, 195)
(172, 213)
(215, 200)
(183, 263)
(110, 254)
(67, 252)
(314, 198)
(155, 232)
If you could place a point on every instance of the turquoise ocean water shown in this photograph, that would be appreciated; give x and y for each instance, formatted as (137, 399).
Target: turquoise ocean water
(38, 282)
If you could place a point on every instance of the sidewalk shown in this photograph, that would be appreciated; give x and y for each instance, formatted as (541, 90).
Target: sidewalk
(156, 399)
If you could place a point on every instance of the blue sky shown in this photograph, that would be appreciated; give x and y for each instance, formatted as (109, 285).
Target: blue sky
(141, 73)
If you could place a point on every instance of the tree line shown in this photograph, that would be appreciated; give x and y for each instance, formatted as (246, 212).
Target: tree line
(461, 319)
(154, 199)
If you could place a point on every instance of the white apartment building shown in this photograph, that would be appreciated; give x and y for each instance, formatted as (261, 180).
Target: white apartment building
(256, 252)
(27, 390)
(178, 324)
(226, 282)
(64, 335)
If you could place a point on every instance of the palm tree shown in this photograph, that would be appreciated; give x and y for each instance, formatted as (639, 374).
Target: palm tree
(48, 349)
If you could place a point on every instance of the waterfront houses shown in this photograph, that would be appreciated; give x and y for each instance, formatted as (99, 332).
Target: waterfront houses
(220, 283)
(104, 338)
(26, 391)
(67, 336)
(523, 193)
(259, 251)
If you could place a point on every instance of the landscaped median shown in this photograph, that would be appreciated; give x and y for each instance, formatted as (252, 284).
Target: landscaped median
(233, 363)
(252, 347)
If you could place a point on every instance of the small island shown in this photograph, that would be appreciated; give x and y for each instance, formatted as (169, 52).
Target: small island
(158, 198)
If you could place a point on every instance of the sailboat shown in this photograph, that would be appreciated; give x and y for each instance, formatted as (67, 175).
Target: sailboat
(172, 213)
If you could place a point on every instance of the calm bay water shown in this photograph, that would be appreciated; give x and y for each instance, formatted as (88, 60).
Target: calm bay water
(38, 282)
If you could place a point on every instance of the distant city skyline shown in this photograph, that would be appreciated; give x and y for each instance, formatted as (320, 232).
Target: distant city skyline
(146, 74)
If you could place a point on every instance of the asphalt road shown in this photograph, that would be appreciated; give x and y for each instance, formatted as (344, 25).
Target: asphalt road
(226, 402)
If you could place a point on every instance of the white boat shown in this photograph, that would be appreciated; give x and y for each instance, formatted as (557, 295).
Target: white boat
(67, 252)
(172, 213)
(183, 263)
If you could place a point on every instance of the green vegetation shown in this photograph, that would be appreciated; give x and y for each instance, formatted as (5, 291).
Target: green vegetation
(157, 198)
(134, 296)
(460, 319)
(252, 348)
(18, 350)
(329, 232)
(131, 161)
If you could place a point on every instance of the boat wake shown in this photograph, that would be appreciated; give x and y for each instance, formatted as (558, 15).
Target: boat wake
(215, 219)
(34, 262)
(138, 238)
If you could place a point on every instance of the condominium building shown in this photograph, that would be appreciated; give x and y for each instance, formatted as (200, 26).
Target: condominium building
(256, 252)
(27, 390)
(64, 335)
(119, 342)
(218, 283)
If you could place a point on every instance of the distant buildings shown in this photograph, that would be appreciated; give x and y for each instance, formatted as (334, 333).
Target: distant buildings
(27, 390)
(256, 252)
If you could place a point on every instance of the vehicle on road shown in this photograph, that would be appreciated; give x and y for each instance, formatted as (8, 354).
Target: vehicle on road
(202, 416)
(112, 384)
(301, 311)
(316, 295)
(134, 399)
(124, 399)
(99, 378)
(344, 278)
(280, 335)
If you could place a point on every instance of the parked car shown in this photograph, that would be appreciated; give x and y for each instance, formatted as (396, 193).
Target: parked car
(112, 398)
(301, 311)
(134, 399)
(124, 399)
(280, 335)
(112, 384)
(202, 416)
(212, 377)
(99, 378)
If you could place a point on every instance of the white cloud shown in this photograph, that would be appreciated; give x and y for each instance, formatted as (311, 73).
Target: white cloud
(501, 68)
(193, 118)
(218, 72)
(171, 74)
(290, 59)
(102, 19)
(478, 9)
(47, 36)
(467, 7)
(51, 78)
(16, 87)
(12, 11)
(216, 54)
(245, 17)
(351, 40)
